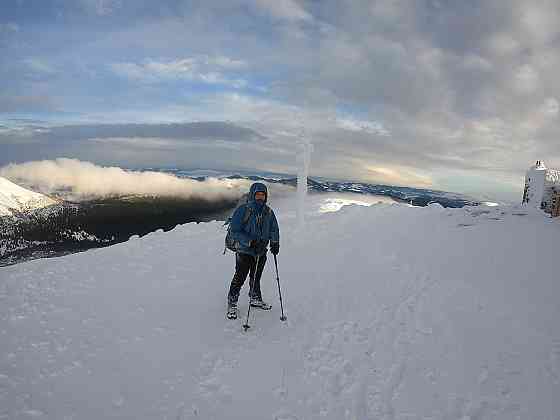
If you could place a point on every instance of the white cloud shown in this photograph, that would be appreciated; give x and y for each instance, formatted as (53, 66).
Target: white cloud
(101, 7)
(171, 68)
(283, 9)
(455, 86)
(539, 20)
(40, 66)
(371, 127)
(503, 44)
(551, 107)
(200, 69)
(526, 79)
(215, 78)
(541, 117)
(238, 107)
(477, 63)
(225, 62)
(87, 180)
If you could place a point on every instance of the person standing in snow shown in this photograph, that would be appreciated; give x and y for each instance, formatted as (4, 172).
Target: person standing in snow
(253, 226)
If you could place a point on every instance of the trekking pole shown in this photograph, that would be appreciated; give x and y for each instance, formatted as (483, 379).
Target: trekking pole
(283, 317)
(246, 326)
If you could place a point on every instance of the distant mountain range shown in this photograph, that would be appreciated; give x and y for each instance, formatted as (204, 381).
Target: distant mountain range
(415, 196)
(33, 225)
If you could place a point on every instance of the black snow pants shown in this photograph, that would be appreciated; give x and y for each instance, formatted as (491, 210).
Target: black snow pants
(246, 264)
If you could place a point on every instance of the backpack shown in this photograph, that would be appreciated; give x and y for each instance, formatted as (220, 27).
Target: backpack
(230, 242)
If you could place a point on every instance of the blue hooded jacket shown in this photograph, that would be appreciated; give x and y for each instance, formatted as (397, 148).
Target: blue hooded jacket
(261, 225)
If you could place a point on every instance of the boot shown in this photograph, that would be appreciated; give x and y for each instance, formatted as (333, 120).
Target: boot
(232, 310)
(258, 303)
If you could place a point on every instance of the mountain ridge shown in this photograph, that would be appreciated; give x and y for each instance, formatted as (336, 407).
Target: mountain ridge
(15, 199)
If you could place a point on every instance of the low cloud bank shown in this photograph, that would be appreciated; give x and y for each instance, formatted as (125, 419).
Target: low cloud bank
(77, 180)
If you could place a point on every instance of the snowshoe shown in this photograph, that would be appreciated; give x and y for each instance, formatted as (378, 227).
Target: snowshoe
(258, 303)
(232, 311)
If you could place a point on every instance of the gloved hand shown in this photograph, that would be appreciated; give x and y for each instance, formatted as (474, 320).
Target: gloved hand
(258, 245)
(275, 248)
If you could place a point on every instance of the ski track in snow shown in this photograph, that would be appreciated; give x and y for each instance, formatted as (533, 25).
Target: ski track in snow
(401, 317)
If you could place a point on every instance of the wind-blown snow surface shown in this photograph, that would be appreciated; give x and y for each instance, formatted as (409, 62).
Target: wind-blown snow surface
(394, 312)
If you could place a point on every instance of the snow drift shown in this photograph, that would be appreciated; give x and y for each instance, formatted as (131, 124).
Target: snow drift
(394, 312)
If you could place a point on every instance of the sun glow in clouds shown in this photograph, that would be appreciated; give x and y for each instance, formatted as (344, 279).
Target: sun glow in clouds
(398, 176)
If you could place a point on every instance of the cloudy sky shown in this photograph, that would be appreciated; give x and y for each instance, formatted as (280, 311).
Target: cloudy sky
(455, 95)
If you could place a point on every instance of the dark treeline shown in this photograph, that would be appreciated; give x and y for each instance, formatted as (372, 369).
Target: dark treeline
(72, 227)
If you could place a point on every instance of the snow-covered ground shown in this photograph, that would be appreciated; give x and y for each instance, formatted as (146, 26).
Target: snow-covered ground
(14, 199)
(394, 312)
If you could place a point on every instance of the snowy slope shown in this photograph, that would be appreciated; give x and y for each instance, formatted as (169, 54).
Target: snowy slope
(394, 312)
(14, 199)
